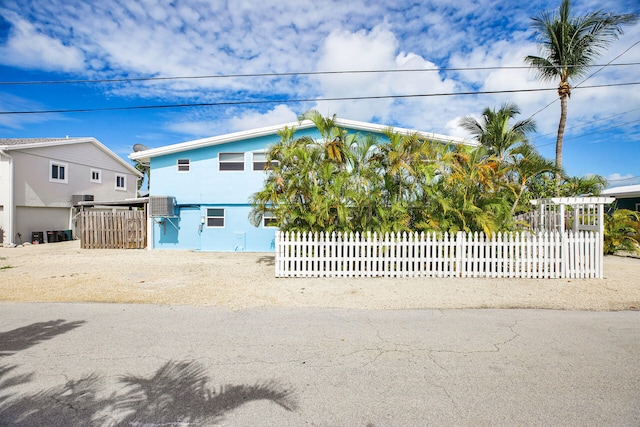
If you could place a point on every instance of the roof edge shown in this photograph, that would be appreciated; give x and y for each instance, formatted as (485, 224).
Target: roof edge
(74, 140)
(269, 130)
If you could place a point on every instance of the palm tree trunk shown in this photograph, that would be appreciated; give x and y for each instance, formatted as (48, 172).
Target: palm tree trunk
(564, 91)
(563, 121)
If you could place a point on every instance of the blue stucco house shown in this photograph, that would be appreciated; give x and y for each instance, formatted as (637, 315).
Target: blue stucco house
(199, 197)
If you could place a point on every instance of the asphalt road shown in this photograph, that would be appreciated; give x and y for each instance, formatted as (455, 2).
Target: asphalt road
(142, 365)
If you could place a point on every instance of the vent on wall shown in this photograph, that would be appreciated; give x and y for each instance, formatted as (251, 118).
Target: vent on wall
(77, 198)
(162, 206)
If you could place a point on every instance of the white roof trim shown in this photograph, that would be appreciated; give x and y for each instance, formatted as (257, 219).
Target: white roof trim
(625, 190)
(573, 201)
(69, 141)
(270, 130)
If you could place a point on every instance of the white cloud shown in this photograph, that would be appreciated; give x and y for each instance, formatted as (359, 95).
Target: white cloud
(618, 177)
(22, 122)
(28, 48)
(194, 128)
(378, 49)
(617, 180)
(134, 38)
(201, 125)
(248, 120)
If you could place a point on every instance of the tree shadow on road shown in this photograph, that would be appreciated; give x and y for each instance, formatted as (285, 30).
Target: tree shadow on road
(19, 339)
(176, 393)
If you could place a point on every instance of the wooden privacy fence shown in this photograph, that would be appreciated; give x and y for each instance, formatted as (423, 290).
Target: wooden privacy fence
(113, 230)
(515, 255)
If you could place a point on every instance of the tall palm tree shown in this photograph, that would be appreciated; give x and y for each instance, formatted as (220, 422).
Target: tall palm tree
(569, 45)
(495, 132)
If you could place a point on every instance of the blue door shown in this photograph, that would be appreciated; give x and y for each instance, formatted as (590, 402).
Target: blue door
(190, 227)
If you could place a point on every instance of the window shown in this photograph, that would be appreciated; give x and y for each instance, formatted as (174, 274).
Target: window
(96, 175)
(58, 172)
(215, 217)
(183, 165)
(638, 207)
(121, 182)
(260, 162)
(269, 220)
(231, 161)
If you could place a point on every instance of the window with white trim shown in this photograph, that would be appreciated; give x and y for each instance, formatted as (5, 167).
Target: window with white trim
(58, 172)
(96, 176)
(638, 207)
(215, 217)
(184, 165)
(269, 220)
(260, 162)
(231, 161)
(121, 182)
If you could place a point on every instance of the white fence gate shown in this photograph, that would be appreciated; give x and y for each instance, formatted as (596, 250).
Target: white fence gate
(516, 255)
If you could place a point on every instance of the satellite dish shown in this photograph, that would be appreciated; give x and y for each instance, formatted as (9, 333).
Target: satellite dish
(139, 147)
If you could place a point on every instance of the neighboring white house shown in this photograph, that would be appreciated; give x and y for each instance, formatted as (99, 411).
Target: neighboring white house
(41, 179)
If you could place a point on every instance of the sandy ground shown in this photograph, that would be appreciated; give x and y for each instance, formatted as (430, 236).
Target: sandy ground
(62, 272)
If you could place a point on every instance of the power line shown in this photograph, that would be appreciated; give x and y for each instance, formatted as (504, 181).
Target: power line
(594, 121)
(602, 130)
(591, 133)
(281, 101)
(624, 179)
(302, 73)
(608, 64)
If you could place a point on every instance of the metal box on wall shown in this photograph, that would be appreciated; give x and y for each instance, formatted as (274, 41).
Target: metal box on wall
(162, 206)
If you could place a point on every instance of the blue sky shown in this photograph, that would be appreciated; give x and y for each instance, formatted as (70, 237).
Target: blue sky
(62, 40)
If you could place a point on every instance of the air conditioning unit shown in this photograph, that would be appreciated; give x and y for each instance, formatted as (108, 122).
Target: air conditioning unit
(77, 198)
(162, 206)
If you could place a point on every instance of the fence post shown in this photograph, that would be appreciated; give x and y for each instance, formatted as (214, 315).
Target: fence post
(460, 246)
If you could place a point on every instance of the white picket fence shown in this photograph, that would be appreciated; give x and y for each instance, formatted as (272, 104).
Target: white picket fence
(514, 255)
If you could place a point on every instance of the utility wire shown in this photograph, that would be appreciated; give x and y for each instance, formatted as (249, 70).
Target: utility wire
(302, 73)
(608, 64)
(281, 101)
(592, 133)
(594, 121)
(624, 179)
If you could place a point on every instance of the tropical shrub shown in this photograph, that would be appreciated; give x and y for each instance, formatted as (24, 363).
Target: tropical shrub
(622, 231)
(350, 182)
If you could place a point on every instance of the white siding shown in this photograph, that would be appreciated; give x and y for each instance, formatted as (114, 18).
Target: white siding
(5, 198)
(29, 220)
(3, 229)
(85, 153)
(32, 169)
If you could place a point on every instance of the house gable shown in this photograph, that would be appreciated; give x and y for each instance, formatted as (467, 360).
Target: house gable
(87, 151)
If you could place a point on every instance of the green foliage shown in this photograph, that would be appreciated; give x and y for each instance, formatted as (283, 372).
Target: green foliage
(350, 182)
(146, 172)
(546, 185)
(622, 231)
